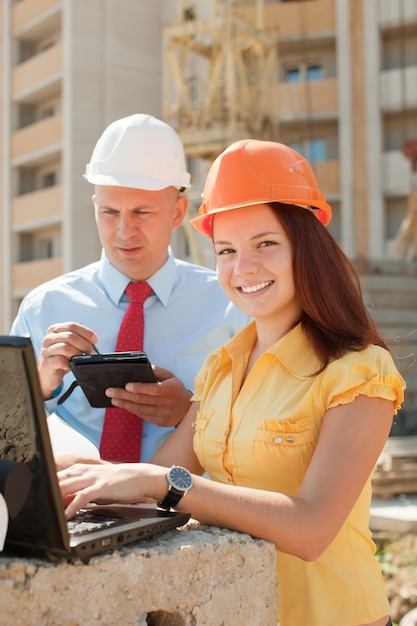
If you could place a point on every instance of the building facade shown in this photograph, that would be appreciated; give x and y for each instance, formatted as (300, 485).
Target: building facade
(336, 79)
(69, 68)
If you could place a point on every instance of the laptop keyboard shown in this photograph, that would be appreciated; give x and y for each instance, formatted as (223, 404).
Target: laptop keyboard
(85, 522)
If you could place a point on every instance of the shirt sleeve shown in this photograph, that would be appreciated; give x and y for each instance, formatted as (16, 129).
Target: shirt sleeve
(370, 372)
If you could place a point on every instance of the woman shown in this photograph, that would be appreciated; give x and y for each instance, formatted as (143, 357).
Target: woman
(290, 416)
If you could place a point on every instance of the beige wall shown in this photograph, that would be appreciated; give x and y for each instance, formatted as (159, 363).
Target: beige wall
(318, 16)
(113, 70)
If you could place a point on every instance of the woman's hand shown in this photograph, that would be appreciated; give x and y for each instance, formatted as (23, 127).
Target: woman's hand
(66, 459)
(125, 483)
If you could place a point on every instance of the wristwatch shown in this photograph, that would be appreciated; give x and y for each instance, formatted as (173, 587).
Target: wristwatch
(180, 481)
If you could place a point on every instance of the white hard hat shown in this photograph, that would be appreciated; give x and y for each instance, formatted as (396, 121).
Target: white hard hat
(138, 151)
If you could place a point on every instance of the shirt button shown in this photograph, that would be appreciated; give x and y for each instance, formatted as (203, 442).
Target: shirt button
(290, 439)
(278, 440)
(144, 433)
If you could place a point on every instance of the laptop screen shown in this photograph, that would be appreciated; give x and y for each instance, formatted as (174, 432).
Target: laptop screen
(31, 496)
(28, 480)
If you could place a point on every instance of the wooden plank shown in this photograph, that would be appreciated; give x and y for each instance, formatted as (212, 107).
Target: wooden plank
(396, 469)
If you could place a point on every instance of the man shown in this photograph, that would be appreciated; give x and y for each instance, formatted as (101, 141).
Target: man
(138, 169)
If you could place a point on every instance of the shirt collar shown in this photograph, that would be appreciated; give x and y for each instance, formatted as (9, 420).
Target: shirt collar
(293, 350)
(115, 282)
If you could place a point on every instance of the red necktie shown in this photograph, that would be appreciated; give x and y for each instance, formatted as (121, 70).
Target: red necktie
(122, 430)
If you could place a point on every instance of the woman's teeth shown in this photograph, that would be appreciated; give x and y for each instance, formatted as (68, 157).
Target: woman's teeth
(254, 288)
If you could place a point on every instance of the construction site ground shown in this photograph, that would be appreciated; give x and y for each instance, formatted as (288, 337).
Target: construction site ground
(394, 524)
(397, 554)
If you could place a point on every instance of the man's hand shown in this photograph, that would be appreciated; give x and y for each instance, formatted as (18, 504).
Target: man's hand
(163, 403)
(62, 341)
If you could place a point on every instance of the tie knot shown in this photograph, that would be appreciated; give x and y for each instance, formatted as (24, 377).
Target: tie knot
(138, 292)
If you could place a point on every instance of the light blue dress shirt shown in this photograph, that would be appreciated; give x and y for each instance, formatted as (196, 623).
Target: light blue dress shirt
(186, 317)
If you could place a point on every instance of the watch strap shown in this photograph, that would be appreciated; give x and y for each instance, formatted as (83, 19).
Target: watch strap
(171, 499)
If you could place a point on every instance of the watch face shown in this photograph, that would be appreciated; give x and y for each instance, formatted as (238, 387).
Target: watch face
(180, 478)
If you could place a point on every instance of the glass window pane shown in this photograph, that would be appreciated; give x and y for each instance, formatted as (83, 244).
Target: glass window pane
(300, 147)
(314, 72)
(292, 75)
(317, 150)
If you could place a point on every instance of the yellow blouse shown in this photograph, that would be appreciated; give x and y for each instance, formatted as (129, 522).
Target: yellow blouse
(263, 435)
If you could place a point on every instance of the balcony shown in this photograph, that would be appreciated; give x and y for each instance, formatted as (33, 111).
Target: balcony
(285, 18)
(27, 275)
(328, 177)
(35, 143)
(398, 89)
(36, 208)
(35, 18)
(396, 172)
(39, 77)
(393, 13)
(302, 100)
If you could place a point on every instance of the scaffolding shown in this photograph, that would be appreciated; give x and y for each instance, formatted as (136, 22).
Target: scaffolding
(219, 82)
(220, 72)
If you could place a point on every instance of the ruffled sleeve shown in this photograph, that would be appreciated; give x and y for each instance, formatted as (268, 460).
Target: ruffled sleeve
(370, 372)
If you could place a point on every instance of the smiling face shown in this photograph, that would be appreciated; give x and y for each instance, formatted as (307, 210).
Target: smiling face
(135, 226)
(254, 264)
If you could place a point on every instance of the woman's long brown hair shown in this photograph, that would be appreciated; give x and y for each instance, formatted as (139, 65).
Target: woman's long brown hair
(334, 316)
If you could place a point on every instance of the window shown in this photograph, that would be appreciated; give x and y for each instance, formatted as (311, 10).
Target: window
(48, 179)
(38, 245)
(48, 111)
(314, 72)
(314, 150)
(293, 75)
(45, 249)
(303, 71)
(317, 150)
(298, 146)
(26, 50)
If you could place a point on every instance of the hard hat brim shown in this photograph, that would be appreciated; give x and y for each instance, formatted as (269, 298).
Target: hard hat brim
(149, 184)
(204, 223)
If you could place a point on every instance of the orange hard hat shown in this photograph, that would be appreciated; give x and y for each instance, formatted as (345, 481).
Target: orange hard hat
(251, 172)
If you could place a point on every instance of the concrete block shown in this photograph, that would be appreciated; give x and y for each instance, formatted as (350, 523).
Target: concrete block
(202, 576)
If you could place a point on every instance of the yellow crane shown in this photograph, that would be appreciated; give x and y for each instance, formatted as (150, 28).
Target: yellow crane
(219, 76)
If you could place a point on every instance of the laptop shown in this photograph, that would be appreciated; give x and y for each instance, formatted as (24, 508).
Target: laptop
(28, 481)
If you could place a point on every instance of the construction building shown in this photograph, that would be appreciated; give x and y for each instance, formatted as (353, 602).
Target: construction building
(336, 79)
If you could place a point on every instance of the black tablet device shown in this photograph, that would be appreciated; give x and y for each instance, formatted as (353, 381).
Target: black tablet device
(96, 372)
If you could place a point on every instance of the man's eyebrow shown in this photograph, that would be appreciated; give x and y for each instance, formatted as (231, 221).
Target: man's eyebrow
(118, 208)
